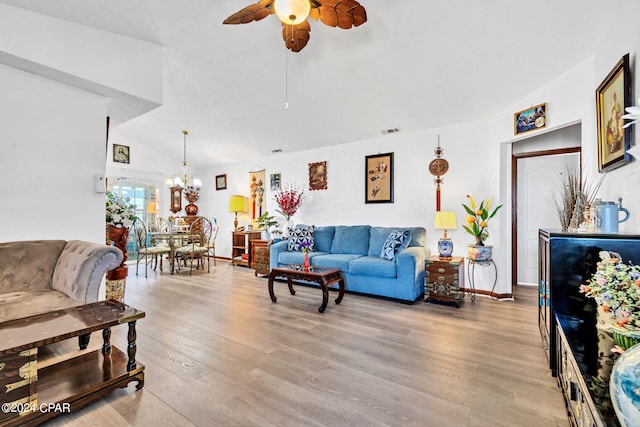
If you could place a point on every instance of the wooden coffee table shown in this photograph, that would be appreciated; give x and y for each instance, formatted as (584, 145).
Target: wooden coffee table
(32, 394)
(322, 276)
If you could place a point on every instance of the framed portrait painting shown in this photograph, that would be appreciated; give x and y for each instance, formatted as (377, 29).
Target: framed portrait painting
(378, 178)
(612, 97)
(120, 153)
(221, 182)
(318, 176)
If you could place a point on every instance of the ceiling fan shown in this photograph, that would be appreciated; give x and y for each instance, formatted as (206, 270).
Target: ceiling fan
(294, 13)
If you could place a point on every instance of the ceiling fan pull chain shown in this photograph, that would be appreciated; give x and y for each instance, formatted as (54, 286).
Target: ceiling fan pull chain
(286, 80)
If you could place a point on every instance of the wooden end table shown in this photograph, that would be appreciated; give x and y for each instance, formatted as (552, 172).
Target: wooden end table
(444, 278)
(322, 276)
(34, 394)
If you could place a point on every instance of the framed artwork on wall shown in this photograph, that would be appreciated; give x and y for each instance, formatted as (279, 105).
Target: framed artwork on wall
(318, 176)
(120, 153)
(612, 97)
(275, 179)
(221, 182)
(257, 200)
(378, 178)
(530, 119)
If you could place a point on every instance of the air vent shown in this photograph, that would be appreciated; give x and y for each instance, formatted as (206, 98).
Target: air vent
(393, 130)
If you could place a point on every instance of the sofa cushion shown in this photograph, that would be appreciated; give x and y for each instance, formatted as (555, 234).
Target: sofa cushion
(339, 261)
(396, 241)
(16, 305)
(299, 236)
(287, 257)
(373, 266)
(323, 238)
(352, 239)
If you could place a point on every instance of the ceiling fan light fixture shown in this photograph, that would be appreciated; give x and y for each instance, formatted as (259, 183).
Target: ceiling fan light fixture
(292, 12)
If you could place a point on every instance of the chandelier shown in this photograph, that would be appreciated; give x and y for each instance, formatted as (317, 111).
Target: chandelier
(190, 183)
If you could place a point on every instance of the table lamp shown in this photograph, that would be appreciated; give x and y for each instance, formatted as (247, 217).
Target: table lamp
(445, 220)
(236, 204)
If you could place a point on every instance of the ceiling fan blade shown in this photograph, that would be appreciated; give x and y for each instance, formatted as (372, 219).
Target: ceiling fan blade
(342, 13)
(297, 36)
(254, 12)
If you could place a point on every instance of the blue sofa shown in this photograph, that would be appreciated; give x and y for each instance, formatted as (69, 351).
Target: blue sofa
(356, 251)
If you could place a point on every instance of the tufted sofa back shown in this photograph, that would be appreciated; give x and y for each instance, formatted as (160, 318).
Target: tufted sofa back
(73, 267)
(28, 265)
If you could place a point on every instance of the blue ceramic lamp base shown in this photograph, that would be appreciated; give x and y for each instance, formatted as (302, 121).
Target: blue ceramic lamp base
(445, 247)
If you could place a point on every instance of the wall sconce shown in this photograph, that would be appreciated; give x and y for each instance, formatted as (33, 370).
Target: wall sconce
(445, 221)
(236, 204)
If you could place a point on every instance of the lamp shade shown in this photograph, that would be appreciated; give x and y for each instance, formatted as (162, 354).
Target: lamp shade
(153, 207)
(292, 12)
(445, 220)
(236, 204)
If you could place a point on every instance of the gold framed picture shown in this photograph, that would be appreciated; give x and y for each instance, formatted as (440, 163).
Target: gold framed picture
(530, 119)
(318, 176)
(613, 95)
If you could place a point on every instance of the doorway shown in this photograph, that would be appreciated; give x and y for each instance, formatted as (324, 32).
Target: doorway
(538, 166)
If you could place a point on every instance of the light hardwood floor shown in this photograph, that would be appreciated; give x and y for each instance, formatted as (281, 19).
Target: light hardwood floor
(218, 352)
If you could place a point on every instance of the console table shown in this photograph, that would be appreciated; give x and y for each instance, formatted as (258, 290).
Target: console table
(32, 394)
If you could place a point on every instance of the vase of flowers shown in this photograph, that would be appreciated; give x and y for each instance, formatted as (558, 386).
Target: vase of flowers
(289, 200)
(304, 247)
(477, 220)
(615, 286)
(192, 194)
(120, 215)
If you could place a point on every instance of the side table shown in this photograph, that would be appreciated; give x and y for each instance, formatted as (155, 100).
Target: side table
(261, 258)
(443, 280)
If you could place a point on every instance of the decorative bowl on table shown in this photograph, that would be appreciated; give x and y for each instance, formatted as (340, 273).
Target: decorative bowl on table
(624, 387)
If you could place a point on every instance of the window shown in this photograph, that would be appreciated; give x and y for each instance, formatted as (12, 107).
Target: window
(145, 198)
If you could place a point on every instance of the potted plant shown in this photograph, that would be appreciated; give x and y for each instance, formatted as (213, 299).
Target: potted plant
(265, 222)
(477, 220)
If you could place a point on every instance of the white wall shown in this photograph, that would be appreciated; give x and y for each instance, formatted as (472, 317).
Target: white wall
(343, 201)
(53, 144)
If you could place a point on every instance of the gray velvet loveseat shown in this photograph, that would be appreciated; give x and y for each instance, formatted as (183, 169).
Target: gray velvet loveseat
(382, 261)
(39, 276)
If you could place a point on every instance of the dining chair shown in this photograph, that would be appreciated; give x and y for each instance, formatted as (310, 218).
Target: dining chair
(197, 247)
(212, 240)
(142, 248)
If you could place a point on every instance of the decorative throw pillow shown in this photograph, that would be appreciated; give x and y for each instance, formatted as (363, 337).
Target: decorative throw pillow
(397, 241)
(299, 235)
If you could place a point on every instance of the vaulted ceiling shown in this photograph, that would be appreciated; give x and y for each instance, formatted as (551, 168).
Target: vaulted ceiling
(414, 65)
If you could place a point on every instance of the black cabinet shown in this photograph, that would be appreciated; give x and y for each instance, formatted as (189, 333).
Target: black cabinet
(579, 353)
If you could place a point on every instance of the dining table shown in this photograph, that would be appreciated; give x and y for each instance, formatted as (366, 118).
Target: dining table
(175, 238)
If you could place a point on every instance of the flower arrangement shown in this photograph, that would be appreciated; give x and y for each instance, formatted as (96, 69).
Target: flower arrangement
(477, 219)
(120, 213)
(191, 193)
(615, 286)
(305, 246)
(289, 200)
